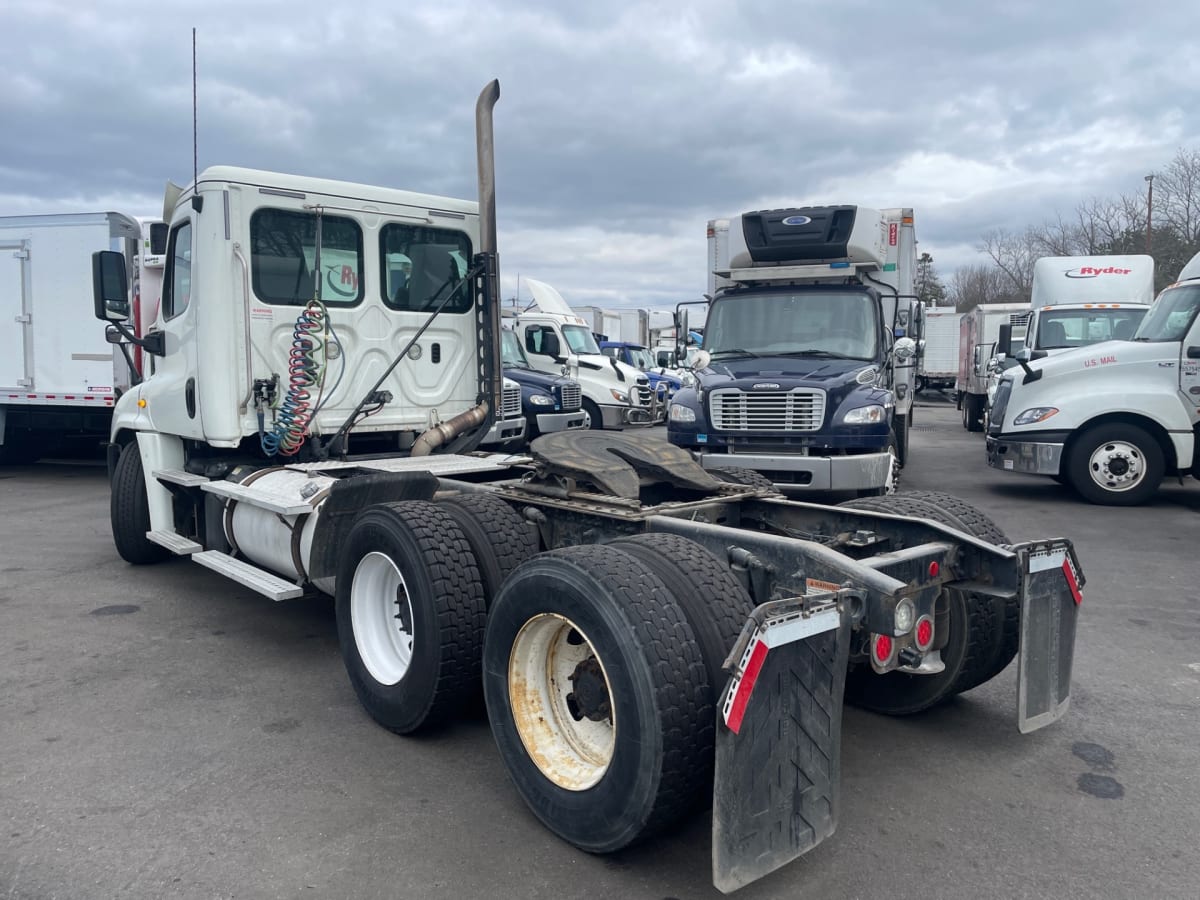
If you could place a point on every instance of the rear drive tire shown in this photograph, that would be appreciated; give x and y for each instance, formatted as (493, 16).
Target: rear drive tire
(410, 614)
(982, 631)
(499, 538)
(1115, 465)
(714, 601)
(129, 510)
(597, 697)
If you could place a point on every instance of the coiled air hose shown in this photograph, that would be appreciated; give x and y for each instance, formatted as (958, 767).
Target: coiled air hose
(306, 374)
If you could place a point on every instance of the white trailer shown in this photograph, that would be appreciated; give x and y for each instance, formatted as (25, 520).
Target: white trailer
(939, 353)
(59, 377)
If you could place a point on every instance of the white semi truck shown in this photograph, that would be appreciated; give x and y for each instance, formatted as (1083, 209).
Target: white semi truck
(641, 629)
(558, 341)
(1110, 419)
(59, 378)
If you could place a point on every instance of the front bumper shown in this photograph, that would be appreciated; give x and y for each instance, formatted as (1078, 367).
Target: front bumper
(550, 422)
(815, 473)
(1030, 457)
(621, 416)
(504, 430)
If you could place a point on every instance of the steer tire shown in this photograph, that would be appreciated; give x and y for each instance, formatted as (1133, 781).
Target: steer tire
(596, 614)
(129, 511)
(499, 538)
(981, 641)
(973, 412)
(595, 420)
(415, 551)
(748, 477)
(714, 601)
(1087, 479)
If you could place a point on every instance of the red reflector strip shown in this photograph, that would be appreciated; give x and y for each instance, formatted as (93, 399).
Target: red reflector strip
(1072, 583)
(745, 687)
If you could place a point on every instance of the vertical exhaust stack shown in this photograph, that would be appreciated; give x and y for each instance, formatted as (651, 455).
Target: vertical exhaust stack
(486, 160)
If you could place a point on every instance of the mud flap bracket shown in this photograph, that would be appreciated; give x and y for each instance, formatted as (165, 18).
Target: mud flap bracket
(779, 726)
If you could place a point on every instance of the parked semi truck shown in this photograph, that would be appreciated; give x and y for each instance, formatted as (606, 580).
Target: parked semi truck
(642, 630)
(59, 378)
(1110, 419)
(550, 403)
(808, 367)
(979, 330)
(557, 341)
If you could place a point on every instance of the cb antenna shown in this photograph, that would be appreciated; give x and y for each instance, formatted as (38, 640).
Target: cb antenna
(197, 201)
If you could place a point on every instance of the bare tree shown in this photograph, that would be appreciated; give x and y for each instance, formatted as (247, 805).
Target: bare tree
(976, 284)
(1014, 255)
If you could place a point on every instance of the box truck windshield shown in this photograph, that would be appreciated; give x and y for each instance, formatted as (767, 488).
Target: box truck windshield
(781, 323)
(1060, 329)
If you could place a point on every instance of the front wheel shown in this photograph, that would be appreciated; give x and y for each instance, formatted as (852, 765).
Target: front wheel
(591, 415)
(598, 697)
(1115, 465)
(129, 510)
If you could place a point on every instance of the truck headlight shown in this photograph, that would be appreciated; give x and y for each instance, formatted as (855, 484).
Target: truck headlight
(541, 399)
(865, 415)
(1037, 414)
(619, 396)
(682, 413)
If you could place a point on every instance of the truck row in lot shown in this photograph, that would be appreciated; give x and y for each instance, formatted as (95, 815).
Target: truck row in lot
(641, 628)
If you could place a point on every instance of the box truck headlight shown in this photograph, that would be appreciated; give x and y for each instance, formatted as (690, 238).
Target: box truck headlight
(541, 399)
(682, 413)
(865, 415)
(619, 396)
(1035, 415)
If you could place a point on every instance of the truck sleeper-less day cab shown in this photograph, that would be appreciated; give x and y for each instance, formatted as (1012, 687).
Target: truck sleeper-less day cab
(641, 630)
(1111, 419)
(802, 376)
(556, 340)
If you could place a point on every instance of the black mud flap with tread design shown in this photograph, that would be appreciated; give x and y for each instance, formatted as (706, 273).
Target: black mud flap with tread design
(1050, 601)
(779, 738)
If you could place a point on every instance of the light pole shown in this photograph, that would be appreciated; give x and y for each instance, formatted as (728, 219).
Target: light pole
(1149, 208)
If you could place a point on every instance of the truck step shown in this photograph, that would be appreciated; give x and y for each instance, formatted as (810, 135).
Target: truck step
(251, 576)
(256, 497)
(179, 476)
(176, 543)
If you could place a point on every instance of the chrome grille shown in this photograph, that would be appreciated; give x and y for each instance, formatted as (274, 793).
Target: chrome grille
(802, 409)
(640, 394)
(571, 395)
(510, 404)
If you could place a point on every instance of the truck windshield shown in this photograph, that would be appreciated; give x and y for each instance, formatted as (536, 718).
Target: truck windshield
(511, 353)
(1171, 315)
(579, 339)
(1058, 329)
(842, 324)
(640, 357)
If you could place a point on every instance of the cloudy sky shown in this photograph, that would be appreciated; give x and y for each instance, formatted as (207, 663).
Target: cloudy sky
(622, 128)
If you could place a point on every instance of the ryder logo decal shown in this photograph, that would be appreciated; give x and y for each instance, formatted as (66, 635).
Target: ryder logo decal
(1095, 271)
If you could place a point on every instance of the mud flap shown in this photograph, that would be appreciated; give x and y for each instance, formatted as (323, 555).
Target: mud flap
(1050, 601)
(779, 738)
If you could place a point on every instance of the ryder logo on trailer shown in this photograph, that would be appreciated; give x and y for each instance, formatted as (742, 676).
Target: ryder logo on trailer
(1095, 271)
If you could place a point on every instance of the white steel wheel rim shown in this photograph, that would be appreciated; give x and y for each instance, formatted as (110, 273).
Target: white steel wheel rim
(381, 618)
(572, 752)
(892, 481)
(1117, 466)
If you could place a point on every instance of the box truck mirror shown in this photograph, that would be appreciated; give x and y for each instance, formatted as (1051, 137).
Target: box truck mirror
(110, 286)
(1004, 341)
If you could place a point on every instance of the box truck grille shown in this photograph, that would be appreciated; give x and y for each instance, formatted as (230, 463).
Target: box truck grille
(510, 404)
(802, 409)
(571, 396)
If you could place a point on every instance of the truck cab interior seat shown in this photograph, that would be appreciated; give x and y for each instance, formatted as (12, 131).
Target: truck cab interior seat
(1054, 335)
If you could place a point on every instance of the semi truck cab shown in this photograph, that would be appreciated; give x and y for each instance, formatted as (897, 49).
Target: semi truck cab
(802, 376)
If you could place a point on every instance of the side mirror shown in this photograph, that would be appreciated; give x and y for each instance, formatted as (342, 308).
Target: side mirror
(550, 345)
(110, 286)
(681, 333)
(1004, 341)
(1024, 355)
(906, 348)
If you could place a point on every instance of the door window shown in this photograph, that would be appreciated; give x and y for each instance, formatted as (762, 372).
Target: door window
(177, 287)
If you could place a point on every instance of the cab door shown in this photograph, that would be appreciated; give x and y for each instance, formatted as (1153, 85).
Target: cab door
(172, 398)
(1189, 370)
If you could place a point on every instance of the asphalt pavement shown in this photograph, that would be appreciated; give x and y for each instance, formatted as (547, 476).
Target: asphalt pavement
(165, 733)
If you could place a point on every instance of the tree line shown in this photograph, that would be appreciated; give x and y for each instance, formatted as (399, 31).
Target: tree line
(1163, 222)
